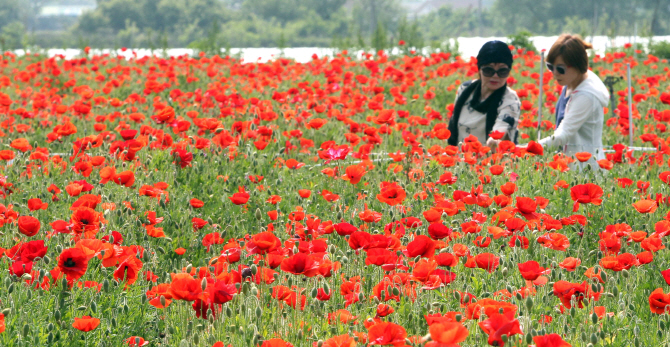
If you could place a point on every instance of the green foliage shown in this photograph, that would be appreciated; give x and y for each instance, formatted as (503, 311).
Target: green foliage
(660, 49)
(379, 39)
(411, 35)
(11, 36)
(327, 23)
(522, 40)
(213, 44)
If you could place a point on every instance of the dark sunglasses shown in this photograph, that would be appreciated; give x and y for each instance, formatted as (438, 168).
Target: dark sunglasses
(559, 68)
(488, 71)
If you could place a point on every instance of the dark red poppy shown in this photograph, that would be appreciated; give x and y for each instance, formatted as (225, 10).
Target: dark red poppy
(73, 262)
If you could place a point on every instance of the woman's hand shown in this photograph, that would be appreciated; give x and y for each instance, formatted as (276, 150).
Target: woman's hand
(492, 143)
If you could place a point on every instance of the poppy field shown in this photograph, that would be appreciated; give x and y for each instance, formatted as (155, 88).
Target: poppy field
(205, 201)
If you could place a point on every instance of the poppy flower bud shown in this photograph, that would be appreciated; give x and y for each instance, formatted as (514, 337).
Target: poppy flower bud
(504, 338)
(529, 338)
(529, 303)
(459, 317)
(94, 307)
(203, 284)
(594, 338)
(57, 315)
(624, 273)
(26, 277)
(26, 330)
(319, 343)
(6, 311)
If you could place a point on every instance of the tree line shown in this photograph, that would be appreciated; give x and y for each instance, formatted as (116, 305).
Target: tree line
(323, 23)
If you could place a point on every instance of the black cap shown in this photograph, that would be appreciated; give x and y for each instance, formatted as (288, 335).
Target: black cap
(494, 52)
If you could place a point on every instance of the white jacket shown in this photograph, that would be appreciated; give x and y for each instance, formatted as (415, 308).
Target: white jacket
(582, 127)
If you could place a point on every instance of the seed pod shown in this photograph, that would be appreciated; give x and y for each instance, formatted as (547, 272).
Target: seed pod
(529, 339)
(529, 303)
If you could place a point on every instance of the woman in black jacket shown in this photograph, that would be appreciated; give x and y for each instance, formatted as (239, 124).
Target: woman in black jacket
(487, 104)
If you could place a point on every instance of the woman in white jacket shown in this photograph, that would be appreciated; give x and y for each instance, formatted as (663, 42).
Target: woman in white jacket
(579, 110)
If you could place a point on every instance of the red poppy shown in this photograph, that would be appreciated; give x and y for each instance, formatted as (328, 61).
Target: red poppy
(37, 204)
(566, 291)
(136, 341)
(85, 221)
(583, 156)
(340, 341)
(196, 203)
(301, 264)
(354, 173)
(438, 231)
(128, 270)
(447, 334)
(550, 340)
(645, 206)
(659, 302)
(421, 246)
(263, 243)
(391, 193)
(73, 262)
(531, 270)
(387, 333)
(487, 261)
(570, 263)
(586, 193)
(85, 323)
(240, 198)
(185, 287)
(534, 148)
(276, 343)
(498, 325)
(554, 241)
(28, 225)
(304, 193)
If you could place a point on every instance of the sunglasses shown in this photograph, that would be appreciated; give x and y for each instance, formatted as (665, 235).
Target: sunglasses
(560, 69)
(488, 71)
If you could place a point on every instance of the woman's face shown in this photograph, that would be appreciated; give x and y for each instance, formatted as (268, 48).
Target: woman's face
(494, 82)
(564, 74)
